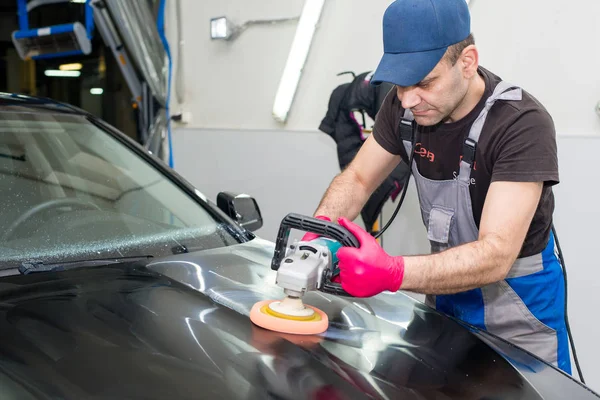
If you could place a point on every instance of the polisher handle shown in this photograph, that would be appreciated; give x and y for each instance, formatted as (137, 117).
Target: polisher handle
(309, 224)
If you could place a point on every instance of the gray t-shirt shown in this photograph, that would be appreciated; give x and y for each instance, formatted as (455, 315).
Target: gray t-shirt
(517, 143)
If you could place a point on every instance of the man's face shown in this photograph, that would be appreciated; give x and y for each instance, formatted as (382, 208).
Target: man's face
(435, 98)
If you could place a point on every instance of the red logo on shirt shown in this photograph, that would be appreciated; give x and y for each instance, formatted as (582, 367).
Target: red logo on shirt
(423, 152)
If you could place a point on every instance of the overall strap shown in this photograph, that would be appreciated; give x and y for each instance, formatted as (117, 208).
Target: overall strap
(407, 127)
(503, 91)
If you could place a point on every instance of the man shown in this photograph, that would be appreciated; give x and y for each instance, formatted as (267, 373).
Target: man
(485, 160)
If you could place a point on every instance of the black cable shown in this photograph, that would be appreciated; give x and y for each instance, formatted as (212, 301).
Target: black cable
(404, 189)
(564, 269)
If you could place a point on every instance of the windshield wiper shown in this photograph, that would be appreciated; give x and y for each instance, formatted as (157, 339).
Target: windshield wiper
(39, 266)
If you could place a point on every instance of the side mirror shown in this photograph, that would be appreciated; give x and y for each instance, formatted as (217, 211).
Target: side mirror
(242, 208)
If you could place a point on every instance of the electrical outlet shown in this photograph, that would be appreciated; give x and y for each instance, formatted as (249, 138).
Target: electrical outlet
(184, 117)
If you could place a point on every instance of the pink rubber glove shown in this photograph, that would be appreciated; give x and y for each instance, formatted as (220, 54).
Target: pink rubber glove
(312, 236)
(367, 270)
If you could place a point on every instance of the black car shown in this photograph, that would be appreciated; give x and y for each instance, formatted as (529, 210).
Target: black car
(119, 280)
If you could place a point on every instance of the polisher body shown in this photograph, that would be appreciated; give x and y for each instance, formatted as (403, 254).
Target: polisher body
(303, 269)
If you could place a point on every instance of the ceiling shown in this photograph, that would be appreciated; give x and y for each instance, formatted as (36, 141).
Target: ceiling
(8, 21)
(8, 6)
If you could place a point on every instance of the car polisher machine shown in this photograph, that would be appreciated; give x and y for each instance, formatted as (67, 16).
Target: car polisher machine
(301, 267)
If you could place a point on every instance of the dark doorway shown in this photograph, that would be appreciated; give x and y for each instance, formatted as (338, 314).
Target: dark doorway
(99, 87)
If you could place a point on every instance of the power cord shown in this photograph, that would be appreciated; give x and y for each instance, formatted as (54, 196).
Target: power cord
(404, 189)
(564, 269)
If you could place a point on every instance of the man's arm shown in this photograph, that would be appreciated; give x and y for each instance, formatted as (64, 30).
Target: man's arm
(350, 190)
(507, 213)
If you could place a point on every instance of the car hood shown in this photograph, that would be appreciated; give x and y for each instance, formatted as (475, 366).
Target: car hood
(179, 328)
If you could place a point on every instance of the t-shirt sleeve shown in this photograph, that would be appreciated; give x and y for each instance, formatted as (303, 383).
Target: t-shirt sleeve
(527, 152)
(384, 129)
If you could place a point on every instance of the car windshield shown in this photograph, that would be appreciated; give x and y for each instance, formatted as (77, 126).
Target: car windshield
(71, 191)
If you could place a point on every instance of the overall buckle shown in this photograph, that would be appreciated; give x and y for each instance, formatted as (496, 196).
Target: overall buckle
(469, 149)
(406, 127)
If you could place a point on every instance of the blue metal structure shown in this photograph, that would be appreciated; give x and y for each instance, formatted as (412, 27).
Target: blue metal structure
(53, 41)
(161, 31)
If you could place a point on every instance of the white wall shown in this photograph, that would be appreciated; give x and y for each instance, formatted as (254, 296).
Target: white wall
(548, 47)
(232, 85)
(577, 217)
(541, 44)
(232, 142)
(286, 176)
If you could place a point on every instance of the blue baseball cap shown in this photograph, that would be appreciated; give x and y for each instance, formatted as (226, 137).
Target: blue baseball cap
(416, 35)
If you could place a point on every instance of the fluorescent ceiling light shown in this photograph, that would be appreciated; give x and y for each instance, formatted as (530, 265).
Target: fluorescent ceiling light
(78, 1)
(96, 90)
(311, 14)
(62, 74)
(71, 67)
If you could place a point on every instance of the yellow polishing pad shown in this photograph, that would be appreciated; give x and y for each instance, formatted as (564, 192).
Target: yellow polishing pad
(262, 315)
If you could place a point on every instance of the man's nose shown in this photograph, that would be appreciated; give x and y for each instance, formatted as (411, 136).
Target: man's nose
(408, 96)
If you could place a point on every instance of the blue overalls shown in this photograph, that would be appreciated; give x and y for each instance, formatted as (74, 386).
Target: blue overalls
(527, 307)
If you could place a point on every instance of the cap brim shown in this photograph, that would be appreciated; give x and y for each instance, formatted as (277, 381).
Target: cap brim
(406, 69)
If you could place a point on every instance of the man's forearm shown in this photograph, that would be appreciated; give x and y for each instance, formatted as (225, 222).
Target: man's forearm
(345, 197)
(458, 269)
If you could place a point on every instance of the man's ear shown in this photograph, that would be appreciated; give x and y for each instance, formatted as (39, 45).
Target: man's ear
(469, 61)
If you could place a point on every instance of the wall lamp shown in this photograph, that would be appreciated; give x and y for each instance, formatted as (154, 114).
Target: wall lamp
(222, 28)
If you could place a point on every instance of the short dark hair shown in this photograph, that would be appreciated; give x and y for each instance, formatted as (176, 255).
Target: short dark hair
(455, 50)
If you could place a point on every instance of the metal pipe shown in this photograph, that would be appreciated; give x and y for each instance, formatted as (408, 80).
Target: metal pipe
(179, 82)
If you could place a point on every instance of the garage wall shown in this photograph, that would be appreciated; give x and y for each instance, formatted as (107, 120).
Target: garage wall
(229, 89)
(232, 142)
(282, 177)
(576, 219)
(232, 85)
(546, 46)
